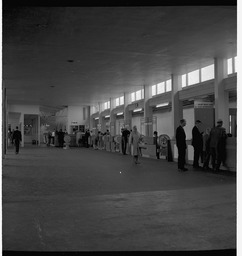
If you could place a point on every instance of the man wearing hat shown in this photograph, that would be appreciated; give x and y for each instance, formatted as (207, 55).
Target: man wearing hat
(197, 143)
(217, 145)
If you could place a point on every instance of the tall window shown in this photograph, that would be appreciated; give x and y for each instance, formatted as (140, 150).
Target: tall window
(161, 88)
(235, 64)
(168, 85)
(138, 95)
(232, 65)
(184, 80)
(117, 102)
(193, 77)
(153, 90)
(207, 73)
(133, 96)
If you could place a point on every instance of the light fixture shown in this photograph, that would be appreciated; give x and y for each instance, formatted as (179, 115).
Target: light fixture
(137, 110)
(107, 116)
(96, 118)
(162, 105)
(120, 113)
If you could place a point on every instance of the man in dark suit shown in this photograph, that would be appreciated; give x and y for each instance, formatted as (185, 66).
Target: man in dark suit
(17, 138)
(181, 145)
(125, 135)
(197, 143)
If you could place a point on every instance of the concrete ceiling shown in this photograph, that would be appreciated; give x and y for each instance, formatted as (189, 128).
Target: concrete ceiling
(56, 56)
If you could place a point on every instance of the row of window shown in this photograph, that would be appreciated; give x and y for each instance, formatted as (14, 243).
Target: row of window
(191, 78)
(207, 73)
(119, 101)
(161, 87)
(232, 65)
(198, 76)
(138, 95)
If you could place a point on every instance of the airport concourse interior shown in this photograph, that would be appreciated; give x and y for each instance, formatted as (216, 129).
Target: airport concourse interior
(119, 128)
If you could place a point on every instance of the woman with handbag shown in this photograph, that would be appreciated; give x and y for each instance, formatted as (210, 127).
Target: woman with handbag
(134, 140)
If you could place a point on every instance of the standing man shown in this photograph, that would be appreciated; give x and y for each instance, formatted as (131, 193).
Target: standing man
(125, 135)
(217, 145)
(181, 145)
(17, 138)
(197, 143)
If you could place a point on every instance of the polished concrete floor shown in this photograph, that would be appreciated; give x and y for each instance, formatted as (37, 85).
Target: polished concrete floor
(89, 200)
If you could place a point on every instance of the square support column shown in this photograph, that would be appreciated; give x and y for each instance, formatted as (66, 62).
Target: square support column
(148, 113)
(127, 112)
(112, 118)
(221, 96)
(177, 108)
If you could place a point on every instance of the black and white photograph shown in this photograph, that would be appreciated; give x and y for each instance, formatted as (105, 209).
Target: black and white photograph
(119, 128)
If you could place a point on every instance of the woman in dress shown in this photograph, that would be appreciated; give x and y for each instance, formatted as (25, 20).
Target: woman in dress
(134, 140)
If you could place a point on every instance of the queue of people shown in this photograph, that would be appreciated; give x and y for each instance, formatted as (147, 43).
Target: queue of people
(207, 145)
(210, 144)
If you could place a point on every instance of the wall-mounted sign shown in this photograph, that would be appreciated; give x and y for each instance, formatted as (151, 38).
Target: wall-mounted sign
(203, 104)
(74, 123)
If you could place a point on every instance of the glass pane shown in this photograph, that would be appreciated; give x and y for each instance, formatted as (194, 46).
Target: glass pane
(142, 94)
(168, 85)
(207, 73)
(235, 64)
(121, 102)
(117, 102)
(193, 77)
(184, 80)
(230, 66)
(132, 96)
(138, 95)
(153, 90)
(161, 88)
(105, 105)
(108, 104)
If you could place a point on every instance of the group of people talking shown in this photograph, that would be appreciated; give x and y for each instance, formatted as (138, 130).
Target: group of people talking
(208, 144)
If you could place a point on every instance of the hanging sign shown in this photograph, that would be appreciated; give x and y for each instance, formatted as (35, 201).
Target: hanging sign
(203, 104)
